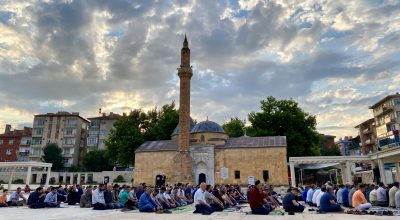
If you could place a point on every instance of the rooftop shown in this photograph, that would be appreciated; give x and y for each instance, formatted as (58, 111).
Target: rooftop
(380, 102)
(63, 114)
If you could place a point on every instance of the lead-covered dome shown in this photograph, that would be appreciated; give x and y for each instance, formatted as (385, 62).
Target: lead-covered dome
(207, 126)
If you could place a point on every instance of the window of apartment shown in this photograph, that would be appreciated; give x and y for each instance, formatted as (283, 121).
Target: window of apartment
(1, 141)
(38, 131)
(102, 131)
(92, 140)
(397, 114)
(8, 152)
(36, 141)
(69, 131)
(67, 150)
(11, 141)
(69, 141)
(396, 102)
(237, 174)
(39, 122)
(101, 141)
(70, 122)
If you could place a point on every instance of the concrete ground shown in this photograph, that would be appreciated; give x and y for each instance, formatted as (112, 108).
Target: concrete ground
(74, 212)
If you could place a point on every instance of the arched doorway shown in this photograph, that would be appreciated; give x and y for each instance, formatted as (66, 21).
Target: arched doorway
(160, 180)
(202, 178)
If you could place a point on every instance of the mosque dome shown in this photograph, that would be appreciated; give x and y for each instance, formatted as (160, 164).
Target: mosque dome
(207, 126)
(176, 130)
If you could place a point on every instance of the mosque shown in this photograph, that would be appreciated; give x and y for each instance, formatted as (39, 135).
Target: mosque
(203, 152)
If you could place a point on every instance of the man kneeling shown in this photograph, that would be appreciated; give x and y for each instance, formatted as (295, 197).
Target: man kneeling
(328, 203)
(359, 201)
(200, 201)
(146, 203)
(289, 201)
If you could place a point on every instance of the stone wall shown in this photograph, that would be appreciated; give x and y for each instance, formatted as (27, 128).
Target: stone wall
(252, 162)
(150, 164)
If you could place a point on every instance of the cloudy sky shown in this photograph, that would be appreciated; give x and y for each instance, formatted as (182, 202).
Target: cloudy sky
(334, 57)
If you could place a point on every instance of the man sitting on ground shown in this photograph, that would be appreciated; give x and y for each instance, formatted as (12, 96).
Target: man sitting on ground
(214, 202)
(310, 194)
(146, 203)
(164, 202)
(289, 201)
(345, 196)
(373, 199)
(98, 201)
(359, 201)
(351, 193)
(200, 201)
(339, 194)
(15, 197)
(381, 196)
(257, 200)
(36, 199)
(51, 198)
(328, 203)
(86, 199)
(316, 193)
(304, 194)
(3, 198)
(392, 193)
(318, 199)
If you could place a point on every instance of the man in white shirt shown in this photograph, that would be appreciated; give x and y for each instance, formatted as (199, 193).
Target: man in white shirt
(318, 199)
(397, 198)
(314, 198)
(392, 193)
(15, 197)
(373, 195)
(381, 196)
(200, 201)
(98, 201)
(339, 194)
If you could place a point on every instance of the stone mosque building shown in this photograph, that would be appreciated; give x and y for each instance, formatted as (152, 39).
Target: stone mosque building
(204, 153)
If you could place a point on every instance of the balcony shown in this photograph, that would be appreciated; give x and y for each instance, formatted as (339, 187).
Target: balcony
(384, 110)
(367, 131)
(67, 155)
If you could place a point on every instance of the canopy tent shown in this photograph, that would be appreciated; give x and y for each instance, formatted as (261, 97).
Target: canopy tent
(12, 166)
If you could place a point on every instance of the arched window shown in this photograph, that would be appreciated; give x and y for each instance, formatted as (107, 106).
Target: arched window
(202, 140)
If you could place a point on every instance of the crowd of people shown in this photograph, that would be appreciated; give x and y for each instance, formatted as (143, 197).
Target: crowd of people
(329, 198)
(208, 199)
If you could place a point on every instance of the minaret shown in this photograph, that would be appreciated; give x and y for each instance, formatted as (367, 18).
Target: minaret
(185, 74)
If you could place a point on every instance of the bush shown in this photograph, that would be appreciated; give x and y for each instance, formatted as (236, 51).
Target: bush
(2, 182)
(119, 179)
(18, 181)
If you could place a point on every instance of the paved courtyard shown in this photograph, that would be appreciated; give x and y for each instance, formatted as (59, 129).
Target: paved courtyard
(74, 212)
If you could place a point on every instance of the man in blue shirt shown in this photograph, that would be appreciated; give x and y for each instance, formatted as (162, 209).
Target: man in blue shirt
(345, 196)
(51, 198)
(289, 202)
(304, 194)
(146, 203)
(328, 203)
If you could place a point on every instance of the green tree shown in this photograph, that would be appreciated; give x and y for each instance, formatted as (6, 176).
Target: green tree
(331, 151)
(134, 129)
(286, 118)
(53, 154)
(234, 128)
(97, 161)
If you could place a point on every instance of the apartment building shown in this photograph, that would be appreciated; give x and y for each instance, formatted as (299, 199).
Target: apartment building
(68, 130)
(387, 121)
(366, 131)
(15, 144)
(99, 130)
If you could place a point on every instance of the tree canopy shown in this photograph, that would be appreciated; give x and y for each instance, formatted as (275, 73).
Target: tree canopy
(286, 118)
(96, 161)
(53, 154)
(234, 127)
(134, 129)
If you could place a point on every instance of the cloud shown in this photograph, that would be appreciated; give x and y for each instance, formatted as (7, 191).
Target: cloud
(335, 57)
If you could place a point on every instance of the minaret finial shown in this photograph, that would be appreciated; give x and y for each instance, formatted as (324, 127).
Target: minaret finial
(185, 42)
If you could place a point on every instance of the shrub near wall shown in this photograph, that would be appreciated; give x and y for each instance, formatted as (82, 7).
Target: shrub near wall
(119, 179)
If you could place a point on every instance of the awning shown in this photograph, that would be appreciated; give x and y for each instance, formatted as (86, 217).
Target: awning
(315, 166)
